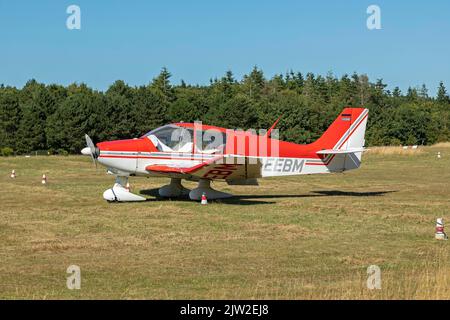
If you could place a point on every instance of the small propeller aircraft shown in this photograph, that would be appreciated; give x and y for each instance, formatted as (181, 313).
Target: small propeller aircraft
(196, 152)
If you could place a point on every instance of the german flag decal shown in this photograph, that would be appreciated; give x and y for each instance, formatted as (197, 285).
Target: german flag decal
(346, 117)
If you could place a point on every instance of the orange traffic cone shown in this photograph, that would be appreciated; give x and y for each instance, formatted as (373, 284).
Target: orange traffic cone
(13, 174)
(440, 234)
(127, 187)
(204, 199)
(44, 179)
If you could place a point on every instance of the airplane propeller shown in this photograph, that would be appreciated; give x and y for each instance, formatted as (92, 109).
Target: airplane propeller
(91, 149)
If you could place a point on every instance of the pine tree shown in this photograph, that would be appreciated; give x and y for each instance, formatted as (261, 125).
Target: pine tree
(347, 91)
(363, 88)
(162, 84)
(36, 104)
(277, 83)
(226, 85)
(397, 92)
(9, 117)
(308, 88)
(79, 114)
(237, 112)
(423, 92)
(442, 95)
(380, 86)
(254, 83)
(412, 94)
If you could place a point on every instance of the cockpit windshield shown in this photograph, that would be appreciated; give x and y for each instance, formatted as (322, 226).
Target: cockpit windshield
(172, 138)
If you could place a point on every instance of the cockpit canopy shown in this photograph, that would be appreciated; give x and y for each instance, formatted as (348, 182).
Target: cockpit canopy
(174, 138)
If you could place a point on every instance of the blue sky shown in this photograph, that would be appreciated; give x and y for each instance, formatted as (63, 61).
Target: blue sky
(199, 40)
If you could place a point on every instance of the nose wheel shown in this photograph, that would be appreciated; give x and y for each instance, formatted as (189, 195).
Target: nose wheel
(118, 193)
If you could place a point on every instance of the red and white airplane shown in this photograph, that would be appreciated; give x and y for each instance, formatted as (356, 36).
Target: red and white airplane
(202, 153)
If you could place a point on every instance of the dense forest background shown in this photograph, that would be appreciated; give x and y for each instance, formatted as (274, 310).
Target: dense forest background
(54, 118)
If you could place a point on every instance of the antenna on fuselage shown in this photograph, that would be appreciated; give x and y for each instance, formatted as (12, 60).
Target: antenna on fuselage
(273, 126)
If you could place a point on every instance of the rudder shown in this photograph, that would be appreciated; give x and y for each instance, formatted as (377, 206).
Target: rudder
(344, 135)
(340, 134)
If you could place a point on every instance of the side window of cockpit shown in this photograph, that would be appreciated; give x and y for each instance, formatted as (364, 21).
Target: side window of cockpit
(211, 141)
(183, 140)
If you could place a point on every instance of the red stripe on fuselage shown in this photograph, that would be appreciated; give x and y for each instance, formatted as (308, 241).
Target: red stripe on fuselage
(146, 157)
(321, 164)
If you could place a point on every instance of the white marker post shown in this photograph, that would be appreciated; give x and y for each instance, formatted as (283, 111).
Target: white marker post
(204, 199)
(440, 234)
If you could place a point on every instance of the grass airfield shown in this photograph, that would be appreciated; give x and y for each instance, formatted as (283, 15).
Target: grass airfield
(305, 237)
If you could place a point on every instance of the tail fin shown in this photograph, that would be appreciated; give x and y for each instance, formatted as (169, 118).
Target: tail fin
(344, 140)
(346, 132)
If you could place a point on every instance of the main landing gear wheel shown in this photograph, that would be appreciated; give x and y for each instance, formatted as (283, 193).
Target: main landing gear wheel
(204, 186)
(173, 189)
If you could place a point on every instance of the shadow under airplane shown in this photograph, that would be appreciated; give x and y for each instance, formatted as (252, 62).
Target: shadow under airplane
(254, 199)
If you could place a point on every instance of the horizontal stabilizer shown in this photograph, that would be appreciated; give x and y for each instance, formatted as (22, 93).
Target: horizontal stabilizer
(341, 151)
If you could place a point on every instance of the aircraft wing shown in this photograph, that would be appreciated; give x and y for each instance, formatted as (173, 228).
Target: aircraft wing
(157, 168)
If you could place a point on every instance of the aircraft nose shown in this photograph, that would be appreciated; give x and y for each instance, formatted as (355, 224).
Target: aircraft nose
(121, 145)
(129, 145)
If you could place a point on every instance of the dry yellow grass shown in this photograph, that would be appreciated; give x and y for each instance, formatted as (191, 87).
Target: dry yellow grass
(442, 145)
(307, 237)
(397, 150)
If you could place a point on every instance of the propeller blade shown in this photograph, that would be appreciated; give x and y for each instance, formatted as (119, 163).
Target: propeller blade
(94, 151)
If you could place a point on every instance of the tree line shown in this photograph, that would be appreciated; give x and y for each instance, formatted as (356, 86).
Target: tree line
(54, 118)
